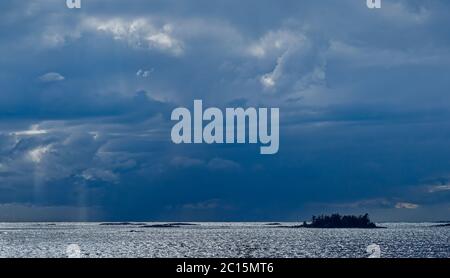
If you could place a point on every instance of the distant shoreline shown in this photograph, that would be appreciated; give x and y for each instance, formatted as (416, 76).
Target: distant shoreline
(267, 222)
(320, 222)
(337, 221)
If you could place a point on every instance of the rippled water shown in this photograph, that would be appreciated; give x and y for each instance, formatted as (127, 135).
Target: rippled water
(219, 240)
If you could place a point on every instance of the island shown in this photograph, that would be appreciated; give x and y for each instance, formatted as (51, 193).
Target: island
(337, 221)
(168, 225)
(121, 224)
(442, 225)
(145, 225)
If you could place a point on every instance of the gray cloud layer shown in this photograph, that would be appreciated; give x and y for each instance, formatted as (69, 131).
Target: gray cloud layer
(86, 97)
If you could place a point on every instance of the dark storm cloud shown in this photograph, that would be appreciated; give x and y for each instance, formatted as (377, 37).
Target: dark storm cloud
(86, 97)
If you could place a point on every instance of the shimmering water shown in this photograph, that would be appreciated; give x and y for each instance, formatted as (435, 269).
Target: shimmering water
(219, 240)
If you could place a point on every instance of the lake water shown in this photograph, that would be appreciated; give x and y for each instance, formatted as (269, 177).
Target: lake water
(248, 240)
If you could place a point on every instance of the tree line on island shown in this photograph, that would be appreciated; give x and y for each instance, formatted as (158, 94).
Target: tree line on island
(338, 221)
(321, 222)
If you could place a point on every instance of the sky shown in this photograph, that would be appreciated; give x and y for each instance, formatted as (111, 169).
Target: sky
(86, 97)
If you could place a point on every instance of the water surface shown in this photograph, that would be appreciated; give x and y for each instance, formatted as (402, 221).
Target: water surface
(249, 240)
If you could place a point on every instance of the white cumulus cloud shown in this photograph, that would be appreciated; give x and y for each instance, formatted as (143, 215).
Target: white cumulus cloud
(51, 77)
(403, 205)
(36, 155)
(138, 33)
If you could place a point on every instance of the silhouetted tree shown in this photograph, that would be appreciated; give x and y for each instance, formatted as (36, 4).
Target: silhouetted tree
(338, 221)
